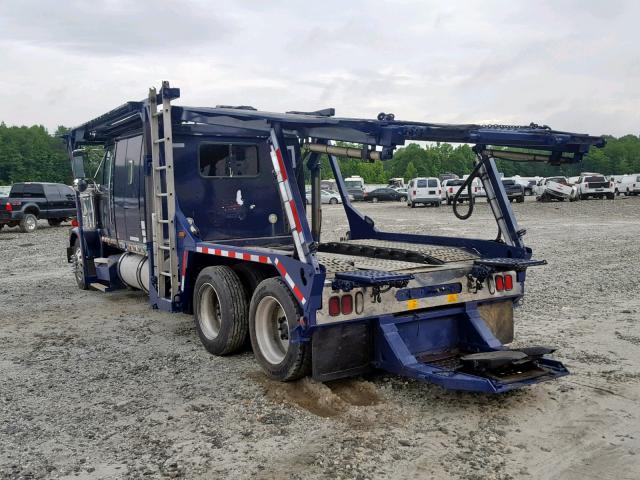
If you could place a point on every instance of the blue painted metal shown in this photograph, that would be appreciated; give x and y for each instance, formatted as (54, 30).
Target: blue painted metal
(228, 214)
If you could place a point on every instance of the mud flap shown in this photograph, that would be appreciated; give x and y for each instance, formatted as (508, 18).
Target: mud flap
(340, 351)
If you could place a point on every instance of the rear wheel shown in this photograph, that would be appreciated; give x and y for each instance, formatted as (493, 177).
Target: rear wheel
(333, 201)
(220, 310)
(54, 222)
(374, 199)
(403, 199)
(273, 315)
(610, 196)
(520, 199)
(29, 223)
(412, 205)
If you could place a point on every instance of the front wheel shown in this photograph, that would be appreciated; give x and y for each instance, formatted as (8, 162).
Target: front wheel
(220, 310)
(520, 199)
(374, 199)
(333, 201)
(77, 263)
(273, 315)
(403, 199)
(29, 223)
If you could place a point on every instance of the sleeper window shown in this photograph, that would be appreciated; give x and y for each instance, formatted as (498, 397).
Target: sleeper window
(220, 160)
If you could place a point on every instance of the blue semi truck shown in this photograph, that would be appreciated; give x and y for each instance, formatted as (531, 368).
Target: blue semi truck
(205, 210)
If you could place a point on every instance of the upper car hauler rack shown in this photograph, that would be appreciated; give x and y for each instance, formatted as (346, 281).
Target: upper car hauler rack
(203, 208)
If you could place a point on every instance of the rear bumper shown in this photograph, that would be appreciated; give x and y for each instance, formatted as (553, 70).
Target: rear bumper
(6, 217)
(433, 199)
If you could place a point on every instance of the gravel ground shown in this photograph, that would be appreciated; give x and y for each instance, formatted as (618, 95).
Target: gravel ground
(100, 386)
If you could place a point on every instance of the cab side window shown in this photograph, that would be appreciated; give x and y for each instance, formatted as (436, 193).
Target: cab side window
(52, 192)
(32, 190)
(224, 160)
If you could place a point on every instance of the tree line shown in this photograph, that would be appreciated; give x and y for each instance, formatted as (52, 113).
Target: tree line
(33, 154)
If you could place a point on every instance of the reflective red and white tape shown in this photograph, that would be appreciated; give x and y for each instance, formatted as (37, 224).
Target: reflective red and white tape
(258, 259)
(287, 198)
(232, 254)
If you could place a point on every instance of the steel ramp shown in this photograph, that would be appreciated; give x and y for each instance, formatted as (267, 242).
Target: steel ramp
(433, 349)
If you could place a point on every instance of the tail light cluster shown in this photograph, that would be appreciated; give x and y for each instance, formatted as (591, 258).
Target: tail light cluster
(503, 282)
(8, 207)
(346, 304)
(450, 189)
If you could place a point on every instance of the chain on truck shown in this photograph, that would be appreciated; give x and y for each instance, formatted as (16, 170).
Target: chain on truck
(205, 210)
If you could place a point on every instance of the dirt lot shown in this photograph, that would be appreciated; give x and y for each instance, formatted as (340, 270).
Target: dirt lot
(100, 386)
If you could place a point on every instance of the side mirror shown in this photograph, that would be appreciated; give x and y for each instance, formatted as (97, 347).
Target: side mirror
(77, 163)
(80, 184)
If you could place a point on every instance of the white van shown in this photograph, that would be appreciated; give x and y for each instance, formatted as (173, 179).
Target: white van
(425, 190)
(628, 185)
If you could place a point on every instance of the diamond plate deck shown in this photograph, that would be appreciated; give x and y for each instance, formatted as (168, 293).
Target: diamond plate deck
(335, 262)
(444, 254)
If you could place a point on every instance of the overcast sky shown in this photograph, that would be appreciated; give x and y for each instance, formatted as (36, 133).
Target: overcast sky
(574, 65)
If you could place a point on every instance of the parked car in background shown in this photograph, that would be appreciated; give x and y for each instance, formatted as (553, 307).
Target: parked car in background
(554, 188)
(424, 190)
(4, 190)
(384, 194)
(327, 197)
(514, 190)
(450, 188)
(628, 185)
(594, 185)
(30, 201)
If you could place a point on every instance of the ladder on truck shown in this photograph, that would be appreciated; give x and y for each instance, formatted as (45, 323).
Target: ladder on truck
(165, 262)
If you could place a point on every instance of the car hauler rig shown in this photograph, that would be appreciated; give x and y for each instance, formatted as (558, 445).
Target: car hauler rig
(204, 209)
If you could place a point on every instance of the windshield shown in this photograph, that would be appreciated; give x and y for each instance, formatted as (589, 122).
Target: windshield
(353, 183)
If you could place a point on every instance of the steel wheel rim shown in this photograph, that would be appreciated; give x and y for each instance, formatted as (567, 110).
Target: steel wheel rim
(31, 223)
(77, 266)
(210, 314)
(272, 330)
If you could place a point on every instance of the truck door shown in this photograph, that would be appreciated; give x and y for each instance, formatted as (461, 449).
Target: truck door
(106, 194)
(120, 182)
(55, 202)
(134, 191)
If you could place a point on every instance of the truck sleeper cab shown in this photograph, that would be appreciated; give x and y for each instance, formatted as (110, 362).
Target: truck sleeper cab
(204, 209)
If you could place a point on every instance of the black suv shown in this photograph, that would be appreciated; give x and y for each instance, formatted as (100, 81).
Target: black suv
(29, 202)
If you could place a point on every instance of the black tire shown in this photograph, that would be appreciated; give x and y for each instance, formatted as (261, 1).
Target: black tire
(77, 262)
(403, 199)
(269, 301)
(333, 201)
(54, 222)
(251, 276)
(374, 199)
(520, 199)
(220, 310)
(610, 196)
(29, 223)
(437, 204)
(412, 205)
(448, 201)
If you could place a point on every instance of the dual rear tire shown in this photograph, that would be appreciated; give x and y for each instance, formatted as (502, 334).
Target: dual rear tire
(224, 316)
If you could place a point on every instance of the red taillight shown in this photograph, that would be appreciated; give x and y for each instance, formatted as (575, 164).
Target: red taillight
(499, 283)
(346, 304)
(508, 282)
(439, 192)
(74, 222)
(450, 189)
(586, 185)
(8, 207)
(475, 189)
(414, 192)
(334, 306)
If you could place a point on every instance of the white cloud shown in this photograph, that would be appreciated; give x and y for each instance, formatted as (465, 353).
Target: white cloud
(572, 65)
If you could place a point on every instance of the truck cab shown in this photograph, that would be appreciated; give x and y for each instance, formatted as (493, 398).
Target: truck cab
(204, 208)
